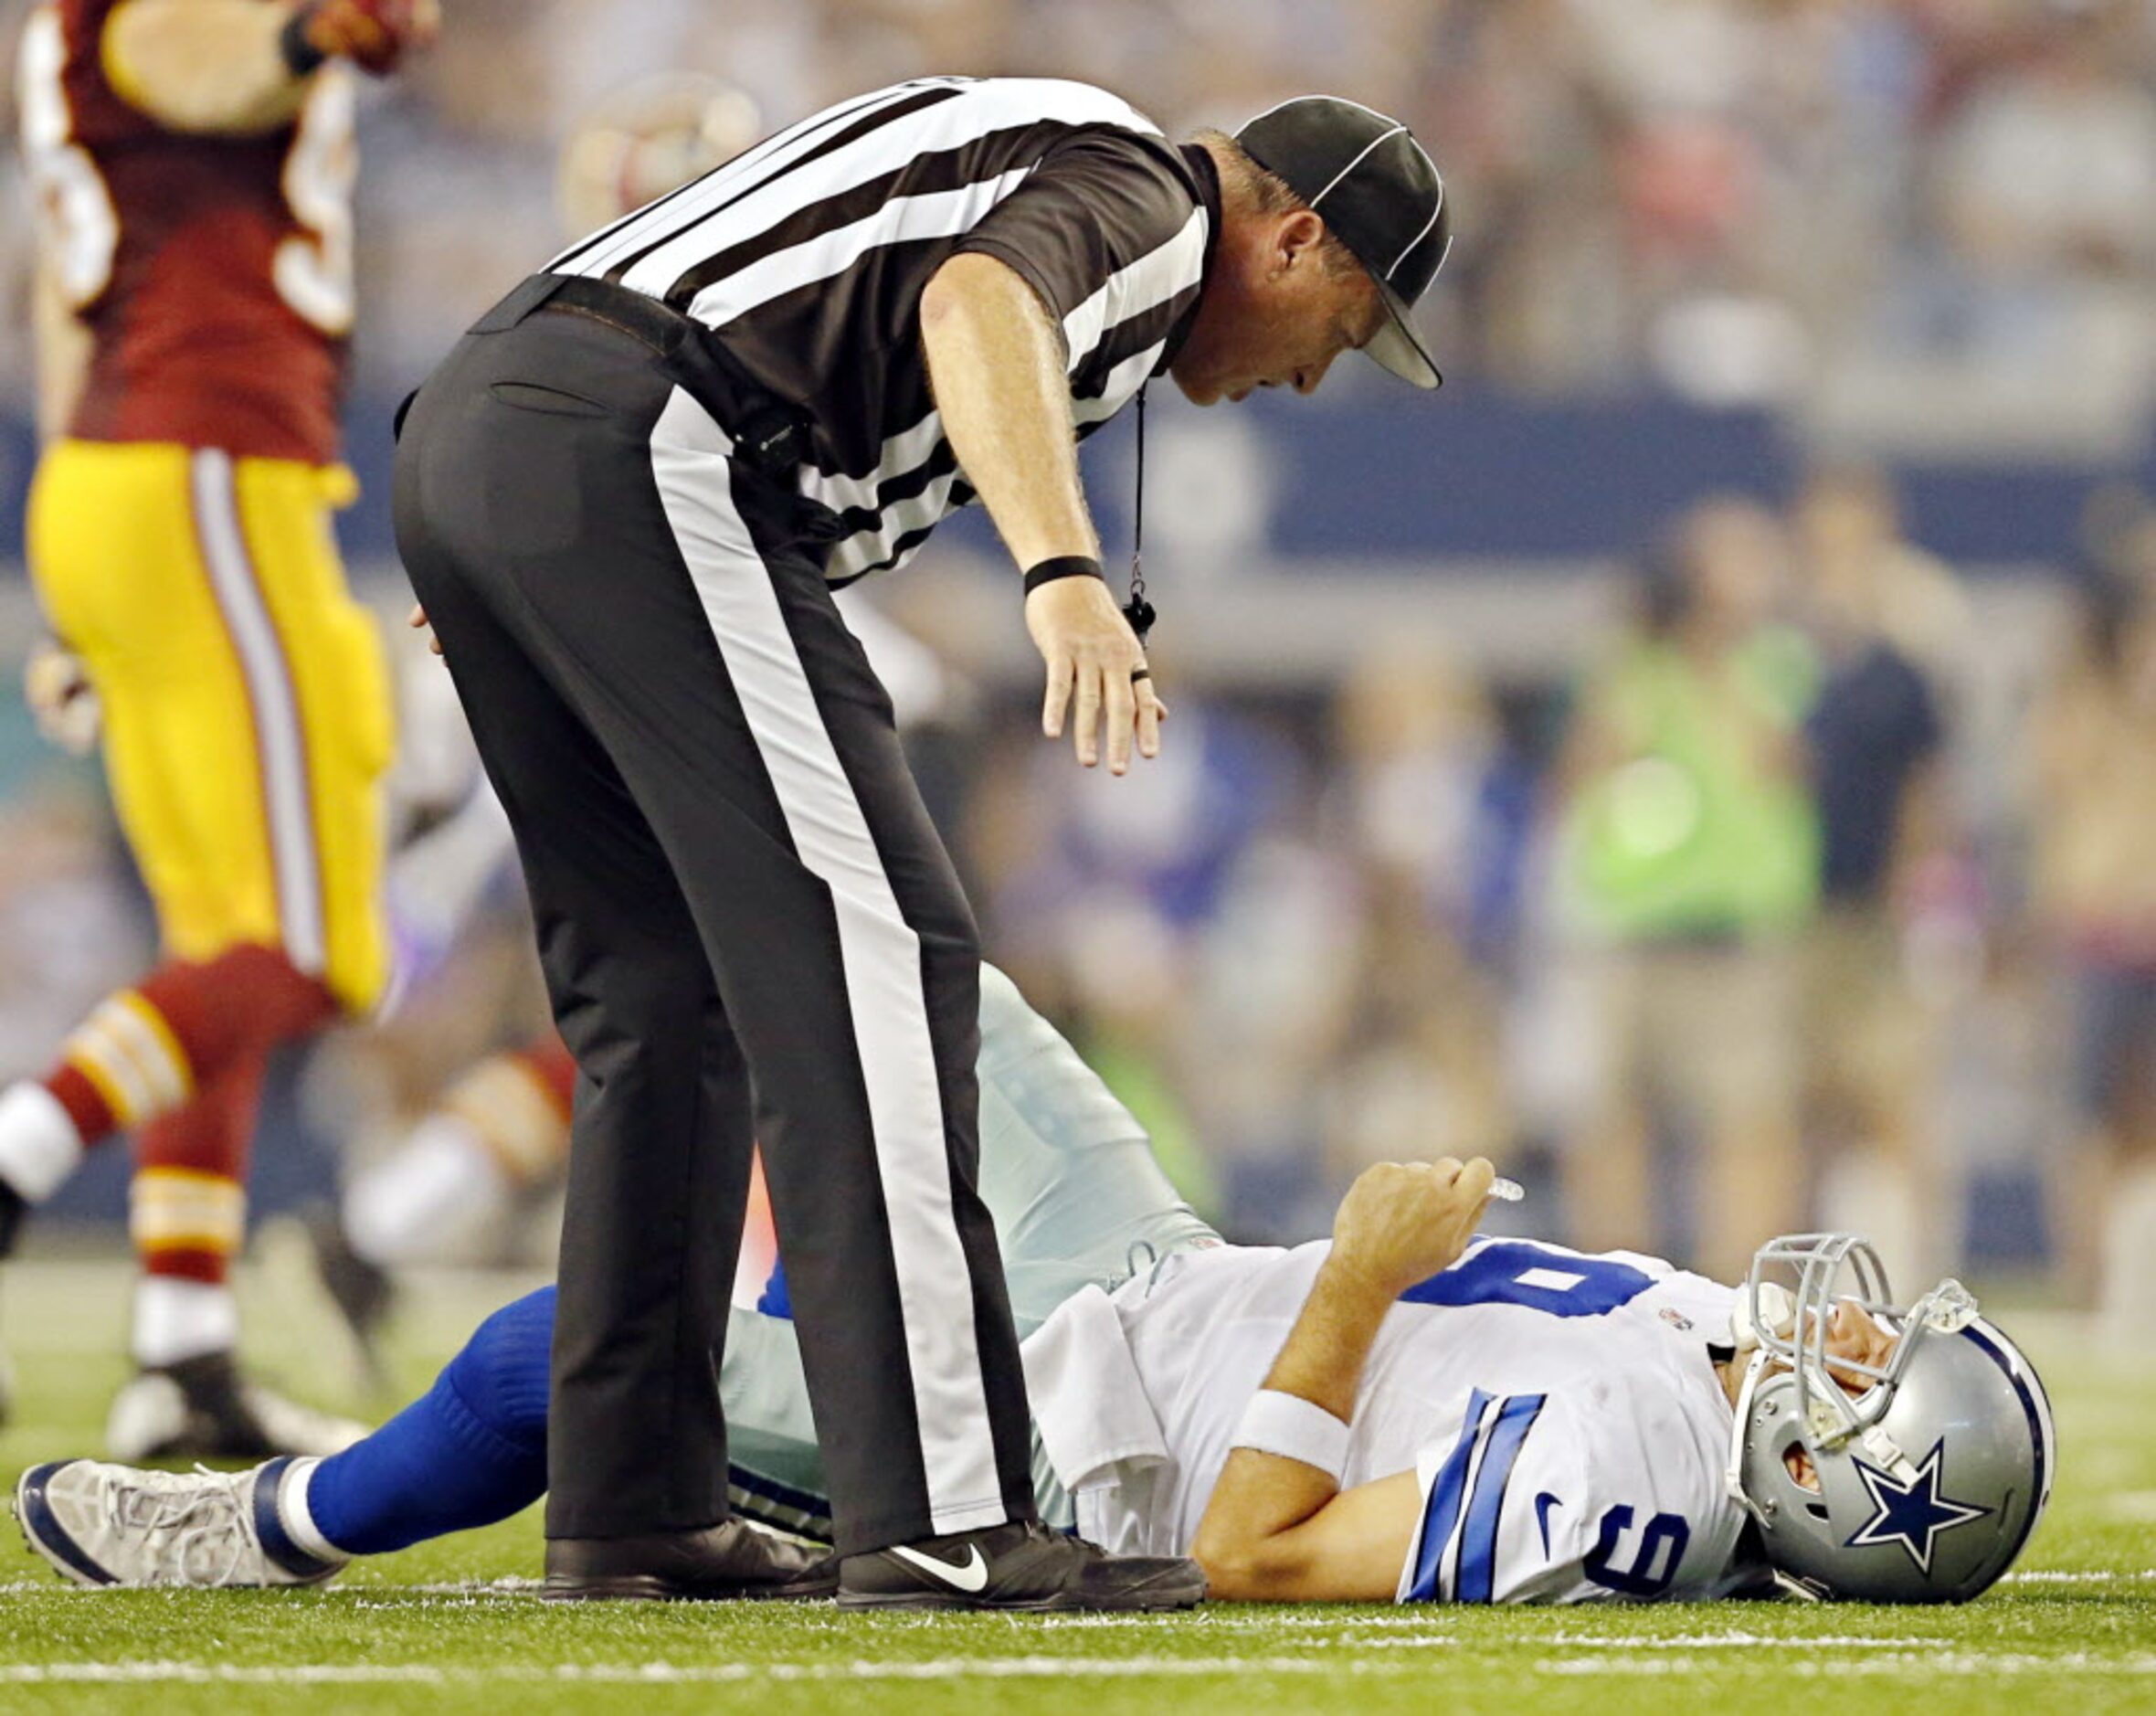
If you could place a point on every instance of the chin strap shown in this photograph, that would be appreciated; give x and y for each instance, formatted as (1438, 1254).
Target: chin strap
(1778, 1312)
(1733, 1474)
(1886, 1454)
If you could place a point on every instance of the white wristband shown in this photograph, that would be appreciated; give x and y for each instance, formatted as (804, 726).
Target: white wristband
(1294, 1428)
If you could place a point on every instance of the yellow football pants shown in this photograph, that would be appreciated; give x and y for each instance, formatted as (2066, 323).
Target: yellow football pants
(246, 697)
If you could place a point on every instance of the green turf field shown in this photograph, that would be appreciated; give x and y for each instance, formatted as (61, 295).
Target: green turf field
(450, 1627)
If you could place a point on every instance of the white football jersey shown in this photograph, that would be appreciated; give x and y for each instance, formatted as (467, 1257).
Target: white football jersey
(1560, 1412)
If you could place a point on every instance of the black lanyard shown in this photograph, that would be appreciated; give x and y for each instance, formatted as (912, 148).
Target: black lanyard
(1137, 609)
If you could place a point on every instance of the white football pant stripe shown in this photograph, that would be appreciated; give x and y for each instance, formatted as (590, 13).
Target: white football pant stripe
(280, 743)
(882, 955)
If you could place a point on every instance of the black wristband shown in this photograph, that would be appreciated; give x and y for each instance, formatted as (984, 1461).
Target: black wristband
(302, 58)
(1064, 565)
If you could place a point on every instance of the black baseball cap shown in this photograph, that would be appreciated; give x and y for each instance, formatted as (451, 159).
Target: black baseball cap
(1378, 192)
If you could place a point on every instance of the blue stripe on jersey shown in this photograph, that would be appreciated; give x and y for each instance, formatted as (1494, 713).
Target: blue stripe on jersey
(793, 1509)
(1478, 1544)
(1442, 1513)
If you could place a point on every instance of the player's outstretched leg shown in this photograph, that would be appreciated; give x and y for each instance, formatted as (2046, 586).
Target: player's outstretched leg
(470, 1451)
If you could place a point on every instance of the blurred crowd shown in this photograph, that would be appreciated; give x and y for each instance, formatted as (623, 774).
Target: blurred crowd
(1787, 200)
(1866, 211)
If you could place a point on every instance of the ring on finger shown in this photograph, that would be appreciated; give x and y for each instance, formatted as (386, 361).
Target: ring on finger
(1136, 674)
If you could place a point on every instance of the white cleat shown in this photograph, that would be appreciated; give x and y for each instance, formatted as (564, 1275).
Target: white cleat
(101, 1524)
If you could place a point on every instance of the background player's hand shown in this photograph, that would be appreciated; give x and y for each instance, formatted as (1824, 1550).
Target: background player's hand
(418, 621)
(57, 688)
(1401, 1222)
(373, 35)
(1092, 652)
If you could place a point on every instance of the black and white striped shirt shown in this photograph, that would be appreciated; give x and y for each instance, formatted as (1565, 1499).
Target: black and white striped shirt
(810, 252)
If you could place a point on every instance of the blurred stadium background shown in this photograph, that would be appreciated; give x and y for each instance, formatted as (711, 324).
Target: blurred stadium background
(1705, 758)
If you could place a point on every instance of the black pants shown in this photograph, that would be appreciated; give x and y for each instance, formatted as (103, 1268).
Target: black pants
(750, 930)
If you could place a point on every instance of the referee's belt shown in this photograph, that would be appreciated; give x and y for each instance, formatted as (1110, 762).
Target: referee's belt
(769, 436)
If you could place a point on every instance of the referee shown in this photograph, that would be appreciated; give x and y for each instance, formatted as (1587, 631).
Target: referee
(624, 500)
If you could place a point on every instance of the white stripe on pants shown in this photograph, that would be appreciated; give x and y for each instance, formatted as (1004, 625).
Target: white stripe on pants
(287, 802)
(880, 953)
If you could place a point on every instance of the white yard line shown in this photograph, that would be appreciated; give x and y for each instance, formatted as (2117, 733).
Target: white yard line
(1913, 1665)
(668, 1673)
(1240, 1620)
(1677, 1656)
(1416, 1619)
(507, 1586)
(1741, 1641)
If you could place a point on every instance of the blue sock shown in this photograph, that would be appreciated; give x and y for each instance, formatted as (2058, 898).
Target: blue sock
(470, 1451)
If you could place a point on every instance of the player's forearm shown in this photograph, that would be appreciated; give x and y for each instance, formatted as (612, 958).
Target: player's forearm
(996, 362)
(1247, 1539)
(1322, 1357)
(210, 66)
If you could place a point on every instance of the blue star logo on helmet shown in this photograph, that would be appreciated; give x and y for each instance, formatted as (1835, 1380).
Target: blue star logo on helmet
(1911, 1514)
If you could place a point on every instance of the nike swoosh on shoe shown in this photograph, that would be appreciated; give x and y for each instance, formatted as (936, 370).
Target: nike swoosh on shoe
(970, 1576)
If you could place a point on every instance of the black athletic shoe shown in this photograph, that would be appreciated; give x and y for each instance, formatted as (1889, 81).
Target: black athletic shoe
(361, 1291)
(727, 1561)
(1022, 1565)
(205, 1408)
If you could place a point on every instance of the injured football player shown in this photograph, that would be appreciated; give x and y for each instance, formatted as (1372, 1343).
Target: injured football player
(1407, 1412)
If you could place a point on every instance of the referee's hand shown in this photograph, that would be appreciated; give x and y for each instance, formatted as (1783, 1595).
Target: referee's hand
(1092, 653)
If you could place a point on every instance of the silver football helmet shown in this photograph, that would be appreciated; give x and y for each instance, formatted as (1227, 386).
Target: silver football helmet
(1929, 1478)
